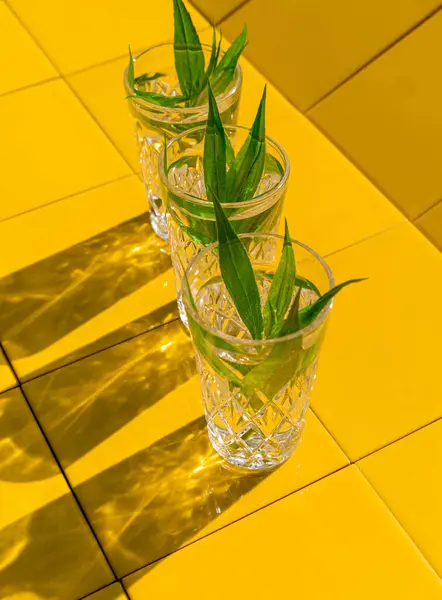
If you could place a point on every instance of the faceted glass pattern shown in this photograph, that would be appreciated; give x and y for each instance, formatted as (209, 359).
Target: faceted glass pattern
(255, 393)
(191, 219)
(153, 124)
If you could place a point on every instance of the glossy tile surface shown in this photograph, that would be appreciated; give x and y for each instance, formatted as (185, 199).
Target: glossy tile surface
(431, 225)
(29, 65)
(378, 377)
(407, 476)
(7, 379)
(81, 34)
(129, 429)
(80, 275)
(308, 47)
(46, 548)
(335, 539)
(387, 119)
(55, 154)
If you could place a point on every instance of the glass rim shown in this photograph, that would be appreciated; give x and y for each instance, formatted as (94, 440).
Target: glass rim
(192, 109)
(268, 341)
(256, 200)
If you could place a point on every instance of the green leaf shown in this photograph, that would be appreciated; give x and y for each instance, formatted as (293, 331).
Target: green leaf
(131, 71)
(189, 56)
(309, 313)
(307, 284)
(225, 71)
(280, 366)
(145, 77)
(249, 164)
(281, 290)
(214, 159)
(160, 99)
(237, 273)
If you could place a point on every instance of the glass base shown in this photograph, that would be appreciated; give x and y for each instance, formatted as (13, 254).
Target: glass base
(159, 225)
(253, 455)
(182, 311)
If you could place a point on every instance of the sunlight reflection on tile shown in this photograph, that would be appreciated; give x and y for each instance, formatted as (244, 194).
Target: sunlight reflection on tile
(64, 295)
(47, 550)
(128, 427)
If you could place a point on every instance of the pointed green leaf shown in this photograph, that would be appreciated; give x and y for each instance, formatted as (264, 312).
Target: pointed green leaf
(281, 290)
(280, 366)
(307, 284)
(189, 56)
(225, 71)
(214, 159)
(249, 164)
(309, 313)
(131, 71)
(145, 77)
(237, 273)
(160, 99)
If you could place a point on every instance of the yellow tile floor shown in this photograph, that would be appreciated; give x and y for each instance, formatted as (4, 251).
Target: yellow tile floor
(109, 488)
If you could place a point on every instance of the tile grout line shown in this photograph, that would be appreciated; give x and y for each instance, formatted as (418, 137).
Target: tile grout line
(73, 195)
(114, 345)
(426, 211)
(239, 519)
(374, 58)
(427, 561)
(30, 86)
(36, 41)
(59, 465)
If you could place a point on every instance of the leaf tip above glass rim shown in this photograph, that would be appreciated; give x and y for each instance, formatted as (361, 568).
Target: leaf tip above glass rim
(190, 67)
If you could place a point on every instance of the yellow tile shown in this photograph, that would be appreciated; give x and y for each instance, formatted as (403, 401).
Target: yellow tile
(324, 185)
(7, 379)
(215, 11)
(46, 548)
(378, 376)
(112, 592)
(388, 119)
(76, 35)
(308, 47)
(50, 148)
(80, 275)
(26, 64)
(101, 90)
(335, 539)
(329, 203)
(431, 225)
(406, 475)
(128, 428)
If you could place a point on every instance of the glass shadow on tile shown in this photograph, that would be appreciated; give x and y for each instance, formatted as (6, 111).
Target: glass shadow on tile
(47, 550)
(156, 501)
(47, 300)
(110, 389)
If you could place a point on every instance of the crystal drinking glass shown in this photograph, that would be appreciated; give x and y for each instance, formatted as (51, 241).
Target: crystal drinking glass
(191, 217)
(154, 123)
(255, 392)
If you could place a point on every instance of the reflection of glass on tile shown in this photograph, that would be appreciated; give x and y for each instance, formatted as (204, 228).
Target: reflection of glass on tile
(102, 393)
(151, 504)
(46, 548)
(7, 379)
(52, 298)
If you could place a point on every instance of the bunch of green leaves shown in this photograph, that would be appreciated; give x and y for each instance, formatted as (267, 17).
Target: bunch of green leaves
(282, 315)
(234, 178)
(240, 181)
(190, 66)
